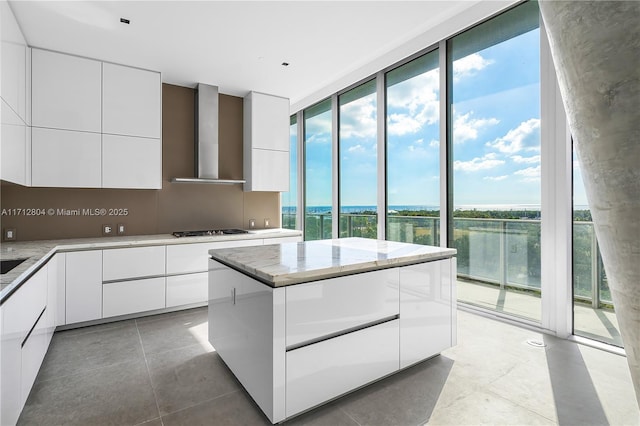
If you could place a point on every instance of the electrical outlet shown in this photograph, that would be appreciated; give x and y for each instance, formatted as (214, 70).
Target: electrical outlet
(266, 223)
(252, 223)
(120, 229)
(107, 230)
(9, 234)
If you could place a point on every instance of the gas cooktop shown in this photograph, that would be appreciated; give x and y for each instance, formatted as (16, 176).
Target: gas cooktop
(207, 232)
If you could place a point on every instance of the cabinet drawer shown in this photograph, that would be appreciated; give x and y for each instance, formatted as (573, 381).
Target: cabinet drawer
(32, 354)
(282, 240)
(186, 289)
(186, 258)
(130, 297)
(319, 372)
(330, 306)
(118, 264)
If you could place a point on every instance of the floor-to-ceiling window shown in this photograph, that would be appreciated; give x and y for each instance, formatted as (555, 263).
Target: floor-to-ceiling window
(317, 171)
(358, 162)
(494, 83)
(413, 151)
(593, 313)
(289, 200)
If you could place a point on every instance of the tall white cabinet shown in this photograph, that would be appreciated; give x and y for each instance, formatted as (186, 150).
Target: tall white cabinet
(266, 142)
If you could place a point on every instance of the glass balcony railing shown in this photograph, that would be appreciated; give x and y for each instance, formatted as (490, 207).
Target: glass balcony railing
(503, 252)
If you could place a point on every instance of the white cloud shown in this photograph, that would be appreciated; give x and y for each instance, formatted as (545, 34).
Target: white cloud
(466, 128)
(530, 174)
(469, 66)
(358, 118)
(525, 137)
(356, 148)
(434, 144)
(526, 160)
(417, 98)
(488, 161)
(495, 178)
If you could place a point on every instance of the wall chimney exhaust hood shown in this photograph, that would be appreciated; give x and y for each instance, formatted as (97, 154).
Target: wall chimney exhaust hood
(206, 149)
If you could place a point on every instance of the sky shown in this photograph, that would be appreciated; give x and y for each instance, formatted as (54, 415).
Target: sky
(496, 134)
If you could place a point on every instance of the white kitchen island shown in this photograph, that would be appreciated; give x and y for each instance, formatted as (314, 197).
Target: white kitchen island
(300, 324)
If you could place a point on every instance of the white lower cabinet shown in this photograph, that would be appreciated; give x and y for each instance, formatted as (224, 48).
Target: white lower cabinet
(425, 311)
(83, 298)
(268, 241)
(324, 370)
(129, 297)
(133, 262)
(322, 308)
(24, 343)
(186, 289)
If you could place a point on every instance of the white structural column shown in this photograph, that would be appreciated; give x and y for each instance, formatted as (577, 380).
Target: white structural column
(596, 54)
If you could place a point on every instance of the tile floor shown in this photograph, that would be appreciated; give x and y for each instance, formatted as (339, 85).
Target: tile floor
(161, 370)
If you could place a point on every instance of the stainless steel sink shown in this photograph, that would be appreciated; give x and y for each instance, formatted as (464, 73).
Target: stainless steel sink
(8, 265)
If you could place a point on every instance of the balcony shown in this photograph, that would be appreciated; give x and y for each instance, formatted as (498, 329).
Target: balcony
(498, 263)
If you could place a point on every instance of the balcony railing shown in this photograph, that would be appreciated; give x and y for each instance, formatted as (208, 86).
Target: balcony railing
(503, 252)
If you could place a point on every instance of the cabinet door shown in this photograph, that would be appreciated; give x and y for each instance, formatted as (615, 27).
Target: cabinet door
(32, 354)
(324, 308)
(62, 158)
(188, 258)
(131, 101)
(282, 240)
(66, 92)
(130, 162)
(83, 286)
(426, 310)
(325, 370)
(187, 289)
(130, 297)
(269, 171)
(57, 273)
(133, 262)
(14, 147)
(19, 315)
(269, 122)
(14, 51)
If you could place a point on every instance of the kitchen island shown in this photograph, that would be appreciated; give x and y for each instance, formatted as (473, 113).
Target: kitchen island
(300, 324)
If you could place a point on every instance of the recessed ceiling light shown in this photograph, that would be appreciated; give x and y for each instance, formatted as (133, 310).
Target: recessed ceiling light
(125, 21)
(285, 64)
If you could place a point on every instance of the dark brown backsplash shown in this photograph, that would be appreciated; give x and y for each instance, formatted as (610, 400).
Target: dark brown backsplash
(176, 207)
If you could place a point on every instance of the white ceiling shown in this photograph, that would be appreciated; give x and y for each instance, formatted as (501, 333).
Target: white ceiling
(240, 45)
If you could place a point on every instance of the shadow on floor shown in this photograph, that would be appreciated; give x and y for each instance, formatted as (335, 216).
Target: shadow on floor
(575, 396)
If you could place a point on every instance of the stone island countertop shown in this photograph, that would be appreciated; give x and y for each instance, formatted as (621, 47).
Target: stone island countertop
(294, 263)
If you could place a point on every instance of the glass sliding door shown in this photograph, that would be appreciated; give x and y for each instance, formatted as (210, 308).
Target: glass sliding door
(593, 311)
(358, 162)
(317, 171)
(413, 151)
(289, 200)
(494, 83)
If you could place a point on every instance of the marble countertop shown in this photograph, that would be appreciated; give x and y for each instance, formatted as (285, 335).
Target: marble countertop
(295, 263)
(38, 253)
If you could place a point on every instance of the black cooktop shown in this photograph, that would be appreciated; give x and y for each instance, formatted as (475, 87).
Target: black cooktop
(181, 234)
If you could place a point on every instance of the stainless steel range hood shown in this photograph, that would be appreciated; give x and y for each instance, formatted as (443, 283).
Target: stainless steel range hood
(206, 149)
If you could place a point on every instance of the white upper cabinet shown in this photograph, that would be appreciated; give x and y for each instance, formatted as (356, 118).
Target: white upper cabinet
(131, 101)
(66, 92)
(62, 158)
(131, 162)
(266, 142)
(14, 63)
